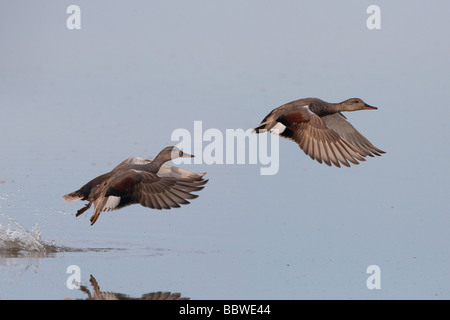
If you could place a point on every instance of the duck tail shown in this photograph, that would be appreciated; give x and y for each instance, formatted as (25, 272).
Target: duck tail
(73, 196)
(265, 126)
(260, 128)
(268, 126)
(267, 123)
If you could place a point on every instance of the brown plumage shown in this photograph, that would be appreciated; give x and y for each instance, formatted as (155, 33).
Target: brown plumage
(321, 131)
(152, 184)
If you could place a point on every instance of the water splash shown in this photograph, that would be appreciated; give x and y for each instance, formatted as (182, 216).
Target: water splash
(16, 239)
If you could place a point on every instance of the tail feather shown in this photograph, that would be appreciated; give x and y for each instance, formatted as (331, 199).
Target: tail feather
(266, 126)
(73, 196)
(261, 128)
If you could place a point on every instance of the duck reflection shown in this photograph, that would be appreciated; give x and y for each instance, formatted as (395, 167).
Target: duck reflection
(97, 294)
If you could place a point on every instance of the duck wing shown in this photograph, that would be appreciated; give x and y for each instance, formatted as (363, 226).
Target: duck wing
(313, 136)
(167, 170)
(149, 189)
(338, 123)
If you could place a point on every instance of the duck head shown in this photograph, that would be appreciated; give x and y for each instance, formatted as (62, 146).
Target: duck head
(170, 153)
(355, 104)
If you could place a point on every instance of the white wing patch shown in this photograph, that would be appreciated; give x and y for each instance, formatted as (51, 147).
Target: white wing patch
(111, 203)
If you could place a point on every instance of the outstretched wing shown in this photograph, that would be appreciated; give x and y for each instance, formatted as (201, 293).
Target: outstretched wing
(150, 190)
(343, 128)
(313, 136)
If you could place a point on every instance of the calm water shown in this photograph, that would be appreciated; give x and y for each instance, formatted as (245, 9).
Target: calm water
(76, 103)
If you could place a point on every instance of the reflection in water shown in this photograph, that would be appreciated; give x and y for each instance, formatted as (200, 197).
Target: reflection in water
(107, 295)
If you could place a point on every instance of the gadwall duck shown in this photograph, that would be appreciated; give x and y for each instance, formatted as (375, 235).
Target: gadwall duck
(321, 130)
(152, 184)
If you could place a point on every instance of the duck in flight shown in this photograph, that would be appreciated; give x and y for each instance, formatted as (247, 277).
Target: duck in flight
(321, 130)
(152, 184)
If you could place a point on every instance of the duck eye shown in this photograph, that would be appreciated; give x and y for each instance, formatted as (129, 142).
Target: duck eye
(180, 154)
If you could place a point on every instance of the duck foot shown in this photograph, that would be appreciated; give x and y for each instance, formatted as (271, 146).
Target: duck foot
(82, 210)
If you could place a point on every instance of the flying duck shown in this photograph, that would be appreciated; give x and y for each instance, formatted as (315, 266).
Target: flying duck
(321, 130)
(152, 184)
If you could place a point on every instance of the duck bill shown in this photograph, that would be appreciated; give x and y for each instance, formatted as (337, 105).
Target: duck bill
(186, 155)
(367, 107)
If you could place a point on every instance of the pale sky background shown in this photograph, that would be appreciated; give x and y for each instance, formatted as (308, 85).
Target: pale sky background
(77, 102)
